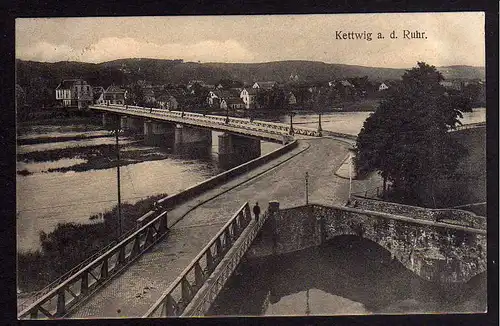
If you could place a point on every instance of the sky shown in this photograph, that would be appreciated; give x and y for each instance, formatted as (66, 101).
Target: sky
(450, 38)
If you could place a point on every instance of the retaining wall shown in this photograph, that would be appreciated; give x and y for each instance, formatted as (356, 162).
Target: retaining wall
(452, 215)
(178, 198)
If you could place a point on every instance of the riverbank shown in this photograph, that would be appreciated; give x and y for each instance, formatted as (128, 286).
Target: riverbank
(72, 243)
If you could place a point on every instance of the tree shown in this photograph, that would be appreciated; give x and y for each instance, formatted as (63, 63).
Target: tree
(406, 139)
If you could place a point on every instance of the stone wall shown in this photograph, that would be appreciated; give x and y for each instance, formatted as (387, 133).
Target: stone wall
(296, 229)
(433, 250)
(457, 216)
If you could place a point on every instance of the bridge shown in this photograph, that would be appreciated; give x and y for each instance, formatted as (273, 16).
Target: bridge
(182, 253)
(183, 131)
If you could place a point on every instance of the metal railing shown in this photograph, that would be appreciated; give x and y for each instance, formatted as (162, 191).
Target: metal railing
(263, 126)
(35, 295)
(470, 126)
(180, 293)
(202, 302)
(56, 303)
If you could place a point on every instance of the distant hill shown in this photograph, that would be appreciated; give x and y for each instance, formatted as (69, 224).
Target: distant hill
(159, 71)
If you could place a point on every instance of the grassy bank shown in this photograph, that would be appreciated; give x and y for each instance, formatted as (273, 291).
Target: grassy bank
(95, 156)
(71, 243)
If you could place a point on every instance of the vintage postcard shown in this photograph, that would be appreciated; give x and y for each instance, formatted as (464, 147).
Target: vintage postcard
(268, 165)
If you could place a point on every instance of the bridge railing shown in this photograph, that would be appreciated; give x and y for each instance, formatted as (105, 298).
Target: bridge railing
(204, 299)
(179, 294)
(471, 126)
(35, 295)
(58, 302)
(264, 126)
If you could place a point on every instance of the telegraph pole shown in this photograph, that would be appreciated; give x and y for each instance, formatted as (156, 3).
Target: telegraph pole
(320, 130)
(118, 181)
(350, 175)
(307, 188)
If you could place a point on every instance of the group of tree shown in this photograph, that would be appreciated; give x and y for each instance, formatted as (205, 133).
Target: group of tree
(407, 140)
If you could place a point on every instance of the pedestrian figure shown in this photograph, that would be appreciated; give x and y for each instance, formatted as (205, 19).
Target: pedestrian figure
(256, 211)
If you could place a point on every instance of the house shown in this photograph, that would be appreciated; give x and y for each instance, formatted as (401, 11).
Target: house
(98, 93)
(232, 103)
(149, 95)
(214, 97)
(249, 97)
(451, 84)
(191, 83)
(264, 85)
(346, 83)
(290, 98)
(115, 95)
(167, 101)
(294, 78)
(383, 87)
(74, 93)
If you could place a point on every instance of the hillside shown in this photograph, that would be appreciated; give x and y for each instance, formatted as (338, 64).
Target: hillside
(157, 71)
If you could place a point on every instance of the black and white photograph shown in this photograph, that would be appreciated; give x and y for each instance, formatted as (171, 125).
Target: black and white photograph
(251, 165)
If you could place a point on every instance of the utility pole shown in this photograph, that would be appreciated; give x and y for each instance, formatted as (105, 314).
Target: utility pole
(118, 180)
(308, 309)
(320, 130)
(291, 132)
(350, 175)
(307, 188)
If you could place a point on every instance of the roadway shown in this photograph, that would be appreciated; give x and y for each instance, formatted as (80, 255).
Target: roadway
(194, 223)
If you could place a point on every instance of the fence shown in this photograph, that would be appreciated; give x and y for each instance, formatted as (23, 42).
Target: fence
(267, 127)
(470, 126)
(203, 300)
(34, 296)
(181, 292)
(56, 303)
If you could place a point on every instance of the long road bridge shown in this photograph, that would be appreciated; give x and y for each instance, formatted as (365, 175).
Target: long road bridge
(277, 132)
(183, 251)
(187, 131)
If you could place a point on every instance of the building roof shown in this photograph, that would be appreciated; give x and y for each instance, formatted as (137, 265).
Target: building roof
(265, 84)
(164, 97)
(251, 91)
(223, 93)
(115, 89)
(69, 83)
(234, 100)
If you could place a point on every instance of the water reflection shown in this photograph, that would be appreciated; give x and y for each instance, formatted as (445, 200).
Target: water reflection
(346, 276)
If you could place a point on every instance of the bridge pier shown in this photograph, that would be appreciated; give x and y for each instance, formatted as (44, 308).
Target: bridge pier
(158, 134)
(235, 150)
(110, 121)
(192, 140)
(131, 125)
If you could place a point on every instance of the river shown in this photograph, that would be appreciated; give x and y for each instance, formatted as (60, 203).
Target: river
(346, 276)
(45, 199)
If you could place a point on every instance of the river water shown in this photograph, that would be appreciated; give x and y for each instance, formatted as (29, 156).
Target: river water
(346, 276)
(352, 122)
(45, 199)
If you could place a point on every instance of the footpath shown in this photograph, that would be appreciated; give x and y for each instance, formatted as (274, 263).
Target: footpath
(195, 222)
